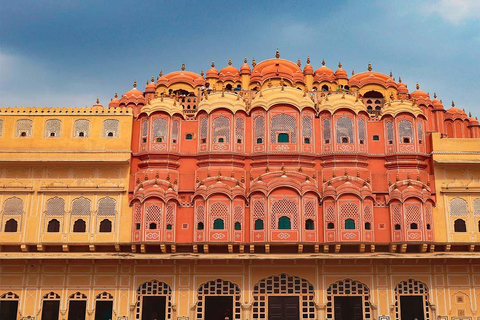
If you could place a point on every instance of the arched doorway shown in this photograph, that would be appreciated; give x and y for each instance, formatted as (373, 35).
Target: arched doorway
(348, 300)
(154, 301)
(283, 297)
(218, 299)
(411, 300)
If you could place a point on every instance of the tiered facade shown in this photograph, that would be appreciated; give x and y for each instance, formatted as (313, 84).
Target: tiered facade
(268, 192)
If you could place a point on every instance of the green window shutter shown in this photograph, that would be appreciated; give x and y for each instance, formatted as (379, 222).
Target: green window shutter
(218, 224)
(284, 223)
(349, 224)
(283, 138)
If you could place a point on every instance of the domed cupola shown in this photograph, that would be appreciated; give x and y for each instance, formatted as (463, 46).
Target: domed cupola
(402, 87)
(419, 94)
(308, 70)
(229, 73)
(437, 104)
(391, 82)
(341, 73)
(455, 113)
(150, 88)
(115, 102)
(134, 96)
(212, 72)
(324, 73)
(245, 68)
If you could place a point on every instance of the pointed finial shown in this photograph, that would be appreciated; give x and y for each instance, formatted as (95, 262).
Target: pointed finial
(277, 54)
(299, 63)
(116, 95)
(98, 101)
(308, 60)
(201, 73)
(213, 64)
(399, 79)
(245, 60)
(161, 73)
(153, 78)
(353, 72)
(418, 86)
(135, 83)
(453, 104)
(435, 95)
(254, 63)
(323, 62)
(339, 65)
(369, 66)
(391, 74)
(183, 66)
(229, 62)
(470, 114)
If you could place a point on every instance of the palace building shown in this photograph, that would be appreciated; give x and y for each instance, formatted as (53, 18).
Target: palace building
(266, 192)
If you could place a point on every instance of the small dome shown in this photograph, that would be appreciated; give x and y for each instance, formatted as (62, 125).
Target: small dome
(134, 95)
(371, 77)
(308, 70)
(341, 73)
(245, 68)
(437, 103)
(229, 73)
(324, 74)
(151, 86)
(212, 72)
(114, 102)
(402, 87)
(274, 68)
(473, 121)
(192, 78)
(97, 104)
(419, 93)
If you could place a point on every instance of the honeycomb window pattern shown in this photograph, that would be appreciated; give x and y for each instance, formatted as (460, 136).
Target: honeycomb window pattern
(218, 287)
(153, 288)
(348, 287)
(412, 287)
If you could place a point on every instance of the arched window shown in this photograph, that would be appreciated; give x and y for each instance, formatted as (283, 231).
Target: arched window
(309, 225)
(389, 126)
(11, 225)
(325, 88)
(349, 224)
(200, 226)
(110, 128)
(330, 225)
(307, 128)
(203, 130)
(218, 224)
(368, 226)
(284, 223)
(159, 130)
(238, 226)
(169, 227)
(53, 226)
(259, 129)
(259, 140)
(81, 128)
(344, 130)
(79, 226)
(106, 207)
(188, 136)
(460, 226)
(405, 131)
(81, 207)
(259, 224)
(361, 131)
(283, 123)
(152, 226)
(398, 227)
(105, 225)
(413, 226)
(24, 128)
(221, 129)
(52, 128)
(327, 131)
(283, 138)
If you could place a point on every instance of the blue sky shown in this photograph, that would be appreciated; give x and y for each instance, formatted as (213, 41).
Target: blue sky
(66, 53)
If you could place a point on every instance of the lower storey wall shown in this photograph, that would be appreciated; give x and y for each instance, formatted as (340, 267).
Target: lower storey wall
(447, 287)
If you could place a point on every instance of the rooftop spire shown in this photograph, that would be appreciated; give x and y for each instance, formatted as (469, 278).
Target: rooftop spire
(277, 54)
(453, 104)
(183, 66)
(213, 64)
(135, 83)
(161, 73)
(299, 63)
(229, 62)
(98, 101)
(435, 95)
(116, 95)
(323, 62)
(153, 79)
(339, 65)
(245, 60)
(399, 79)
(254, 63)
(308, 60)
(391, 74)
(201, 73)
(418, 86)
(353, 72)
(369, 66)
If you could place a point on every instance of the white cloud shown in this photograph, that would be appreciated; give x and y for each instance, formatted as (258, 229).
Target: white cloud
(454, 11)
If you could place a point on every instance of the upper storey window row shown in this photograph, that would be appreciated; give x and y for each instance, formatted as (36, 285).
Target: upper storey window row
(53, 128)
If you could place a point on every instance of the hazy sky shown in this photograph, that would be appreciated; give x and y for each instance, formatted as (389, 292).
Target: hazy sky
(66, 53)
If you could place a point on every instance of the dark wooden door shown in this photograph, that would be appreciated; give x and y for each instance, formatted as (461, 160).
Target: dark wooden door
(153, 307)
(283, 308)
(218, 307)
(348, 308)
(412, 307)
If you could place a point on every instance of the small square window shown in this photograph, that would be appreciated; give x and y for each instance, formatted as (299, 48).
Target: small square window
(259, 140)
(239, 140)
(307, 140)
(327, 141)
(144, 140)
(406, 140)
(419, 141)
(110, 134)
(204, 140)
(23, 134)
(174, 141)
(344, 140)
(221, 140)
(81, 134)
(137, 226)
(158, 140)
(188, 136)
(376, 138)
(184, 225)
(390, 142)
(52, 134)
(362, 142)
